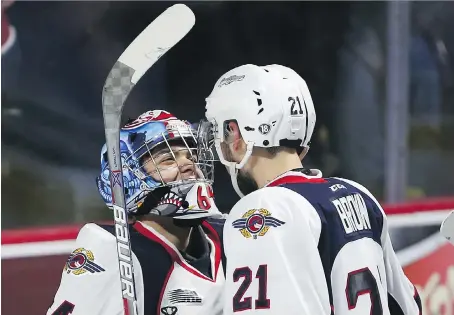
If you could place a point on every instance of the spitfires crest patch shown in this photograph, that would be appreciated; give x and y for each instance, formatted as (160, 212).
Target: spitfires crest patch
(81, 261)
(256, 222)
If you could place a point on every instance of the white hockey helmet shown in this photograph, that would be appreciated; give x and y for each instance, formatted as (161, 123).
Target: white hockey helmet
(271, 104)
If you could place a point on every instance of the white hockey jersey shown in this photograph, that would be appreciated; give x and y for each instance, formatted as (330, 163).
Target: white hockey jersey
(167, 282)
(307, 245)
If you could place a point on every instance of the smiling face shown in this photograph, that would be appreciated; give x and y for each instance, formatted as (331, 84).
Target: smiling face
(171, 163)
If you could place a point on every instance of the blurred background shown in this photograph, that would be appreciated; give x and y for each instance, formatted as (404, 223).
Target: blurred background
(367, 129)
(381, 76)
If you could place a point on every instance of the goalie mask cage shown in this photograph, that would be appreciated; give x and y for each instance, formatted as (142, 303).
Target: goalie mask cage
(33, 259)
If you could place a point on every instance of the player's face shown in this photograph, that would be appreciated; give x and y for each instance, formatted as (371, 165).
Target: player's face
(233, 150)
(168, 167)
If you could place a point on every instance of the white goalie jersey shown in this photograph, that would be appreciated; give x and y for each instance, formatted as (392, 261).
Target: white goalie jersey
(307, 245)
(167, 282)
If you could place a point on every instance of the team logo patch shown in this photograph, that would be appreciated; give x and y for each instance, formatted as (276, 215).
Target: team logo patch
(256, 222)
(81, 261)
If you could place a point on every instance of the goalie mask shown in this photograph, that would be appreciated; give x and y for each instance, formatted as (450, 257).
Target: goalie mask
(162, 174)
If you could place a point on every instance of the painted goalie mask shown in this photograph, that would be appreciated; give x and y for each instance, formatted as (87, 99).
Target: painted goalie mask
(162, 174)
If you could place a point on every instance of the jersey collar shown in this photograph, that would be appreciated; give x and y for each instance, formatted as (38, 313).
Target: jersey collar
(297, 175)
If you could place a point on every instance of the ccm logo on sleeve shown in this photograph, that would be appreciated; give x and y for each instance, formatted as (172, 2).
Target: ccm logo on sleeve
(256, 222)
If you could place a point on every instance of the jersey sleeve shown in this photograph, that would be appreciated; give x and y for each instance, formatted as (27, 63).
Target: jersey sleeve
(270, 241)
(90, 281)
(403, 298)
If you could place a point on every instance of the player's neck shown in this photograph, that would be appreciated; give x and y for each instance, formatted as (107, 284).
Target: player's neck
(178, 236)
(266, 170)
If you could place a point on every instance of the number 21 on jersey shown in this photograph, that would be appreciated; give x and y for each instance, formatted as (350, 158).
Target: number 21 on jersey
(359, 282)
(244, 275)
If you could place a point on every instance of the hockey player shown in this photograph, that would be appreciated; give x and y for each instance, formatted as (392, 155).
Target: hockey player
(176, 252)
(296, 243)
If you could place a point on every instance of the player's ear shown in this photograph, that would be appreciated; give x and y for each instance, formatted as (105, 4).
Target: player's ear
(235, 138)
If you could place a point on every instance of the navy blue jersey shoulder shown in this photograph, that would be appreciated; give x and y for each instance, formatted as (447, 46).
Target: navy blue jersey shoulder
(155, 262)
(323, 196)
(218, 226)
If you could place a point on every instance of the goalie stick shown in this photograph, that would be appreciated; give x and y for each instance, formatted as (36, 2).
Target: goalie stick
(447, 227)
(154, 41)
